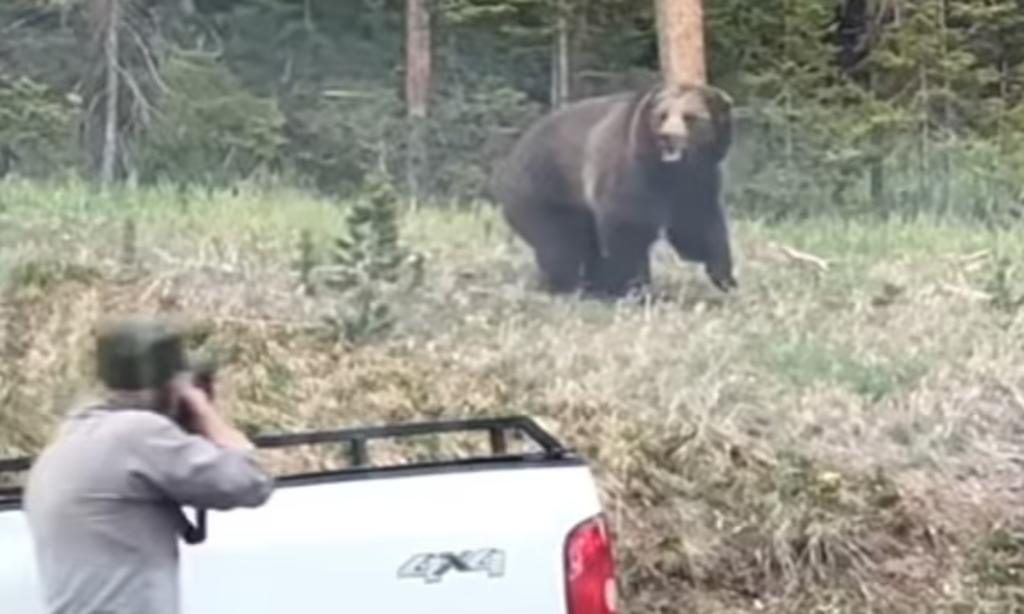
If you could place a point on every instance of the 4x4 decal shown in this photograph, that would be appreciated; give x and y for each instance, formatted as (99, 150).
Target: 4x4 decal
(432, 566)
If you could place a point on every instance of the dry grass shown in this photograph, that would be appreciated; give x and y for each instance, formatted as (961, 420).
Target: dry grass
(842, 435)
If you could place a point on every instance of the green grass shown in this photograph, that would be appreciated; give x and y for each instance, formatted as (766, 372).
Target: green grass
(834, 439)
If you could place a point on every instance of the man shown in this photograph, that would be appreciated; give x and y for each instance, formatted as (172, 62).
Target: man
(104, 499)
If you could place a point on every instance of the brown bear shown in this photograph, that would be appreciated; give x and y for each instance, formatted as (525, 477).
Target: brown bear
(591, 186)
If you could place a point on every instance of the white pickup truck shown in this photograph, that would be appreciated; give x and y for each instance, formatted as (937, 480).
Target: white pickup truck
(495, 533)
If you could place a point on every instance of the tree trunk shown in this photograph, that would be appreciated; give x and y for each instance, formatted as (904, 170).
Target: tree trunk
(110, 52)
(417, 78)
(417, 88)
(307, 15)
(560, 71)
(680, 26)
(947, 114)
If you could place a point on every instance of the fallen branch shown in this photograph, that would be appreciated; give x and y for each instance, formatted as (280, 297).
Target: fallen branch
(969, 293)
(972, 257)
(804, 257)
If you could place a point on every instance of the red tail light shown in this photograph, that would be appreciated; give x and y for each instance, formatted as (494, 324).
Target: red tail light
(590, 568)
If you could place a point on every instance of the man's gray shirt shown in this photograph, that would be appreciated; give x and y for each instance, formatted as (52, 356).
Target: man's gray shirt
(101, 504)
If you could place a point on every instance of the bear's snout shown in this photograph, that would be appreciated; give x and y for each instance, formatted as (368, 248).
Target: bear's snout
(672, 147)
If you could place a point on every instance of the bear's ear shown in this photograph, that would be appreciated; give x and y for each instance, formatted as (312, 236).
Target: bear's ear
(721, 105)
(720, 101)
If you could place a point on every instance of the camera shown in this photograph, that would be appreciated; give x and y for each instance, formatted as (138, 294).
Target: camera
(203, 377)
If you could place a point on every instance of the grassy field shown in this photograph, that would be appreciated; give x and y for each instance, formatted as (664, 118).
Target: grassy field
(844, 434)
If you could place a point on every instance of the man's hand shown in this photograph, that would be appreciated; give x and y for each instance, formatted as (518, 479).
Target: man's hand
(208, 422)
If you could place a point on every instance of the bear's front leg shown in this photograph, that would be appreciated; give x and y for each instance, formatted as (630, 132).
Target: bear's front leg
(698, 232)
(625, 256)
(718, 265)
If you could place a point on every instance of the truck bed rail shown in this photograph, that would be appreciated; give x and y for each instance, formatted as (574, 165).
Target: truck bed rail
(356, 439)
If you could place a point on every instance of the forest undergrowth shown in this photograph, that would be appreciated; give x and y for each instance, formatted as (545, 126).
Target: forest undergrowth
(843, 434)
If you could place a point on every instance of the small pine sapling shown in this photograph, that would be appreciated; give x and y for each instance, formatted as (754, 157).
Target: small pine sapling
(368, 265)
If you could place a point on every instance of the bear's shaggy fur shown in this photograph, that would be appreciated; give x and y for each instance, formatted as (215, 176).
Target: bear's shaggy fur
(592, 185)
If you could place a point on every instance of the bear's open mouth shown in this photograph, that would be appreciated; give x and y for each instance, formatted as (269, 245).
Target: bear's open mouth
(671, 149)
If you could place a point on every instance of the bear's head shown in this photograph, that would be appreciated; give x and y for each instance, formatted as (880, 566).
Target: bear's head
(690, 122)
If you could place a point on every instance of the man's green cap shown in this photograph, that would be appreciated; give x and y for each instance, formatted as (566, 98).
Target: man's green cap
(134, 353)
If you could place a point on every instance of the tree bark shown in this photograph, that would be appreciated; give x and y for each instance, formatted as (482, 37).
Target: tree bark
(307, 15)
(417, 89)
(560, 70)
(110, 49)
(680, 25)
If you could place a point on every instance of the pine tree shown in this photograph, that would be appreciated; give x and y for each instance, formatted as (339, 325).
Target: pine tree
(369, 266)
(369, 249)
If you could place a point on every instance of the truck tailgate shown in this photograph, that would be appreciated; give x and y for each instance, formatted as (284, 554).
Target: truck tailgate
(365, 546)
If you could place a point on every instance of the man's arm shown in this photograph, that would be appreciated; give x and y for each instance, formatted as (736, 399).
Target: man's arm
(215, 473)
(208, 422)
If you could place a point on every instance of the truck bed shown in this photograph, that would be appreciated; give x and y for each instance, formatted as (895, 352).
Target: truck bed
(484, 535)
